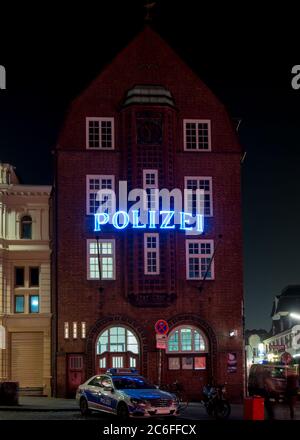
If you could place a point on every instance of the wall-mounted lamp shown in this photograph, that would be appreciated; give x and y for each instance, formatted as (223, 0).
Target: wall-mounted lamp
(232, 333)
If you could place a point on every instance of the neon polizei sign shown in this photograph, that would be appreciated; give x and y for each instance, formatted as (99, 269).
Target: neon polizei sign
(158, 216)
(122, 220)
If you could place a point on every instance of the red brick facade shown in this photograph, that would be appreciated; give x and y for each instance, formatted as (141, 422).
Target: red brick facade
(216, 309)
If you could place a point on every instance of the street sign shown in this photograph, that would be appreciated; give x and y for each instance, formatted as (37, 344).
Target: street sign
(161, 341)
(286, 358)
(161, 327)
(277, 347)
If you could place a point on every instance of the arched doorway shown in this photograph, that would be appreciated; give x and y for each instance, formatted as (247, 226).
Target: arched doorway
(117, 347)
(188, 359)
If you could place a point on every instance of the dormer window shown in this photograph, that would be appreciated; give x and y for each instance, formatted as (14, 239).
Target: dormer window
(26, 227)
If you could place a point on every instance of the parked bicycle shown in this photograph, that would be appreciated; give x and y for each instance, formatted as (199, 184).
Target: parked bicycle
(177, 389)
(215, 401)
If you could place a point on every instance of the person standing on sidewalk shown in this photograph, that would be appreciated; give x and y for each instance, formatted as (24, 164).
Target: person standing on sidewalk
(292, 387)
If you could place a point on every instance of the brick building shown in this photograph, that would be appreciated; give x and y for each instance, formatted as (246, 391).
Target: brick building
(150, 121)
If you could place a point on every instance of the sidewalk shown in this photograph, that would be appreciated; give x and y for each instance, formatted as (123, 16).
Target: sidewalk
(40, 404)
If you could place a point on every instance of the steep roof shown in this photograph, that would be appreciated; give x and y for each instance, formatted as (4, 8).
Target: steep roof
(287, 301)
(149, 60)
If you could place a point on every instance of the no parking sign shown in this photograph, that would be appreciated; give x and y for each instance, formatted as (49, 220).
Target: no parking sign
(161, 327)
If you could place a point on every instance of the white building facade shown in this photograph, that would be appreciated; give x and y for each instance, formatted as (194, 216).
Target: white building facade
(25, 300)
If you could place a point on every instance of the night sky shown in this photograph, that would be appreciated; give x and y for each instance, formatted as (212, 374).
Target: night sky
(245, 55)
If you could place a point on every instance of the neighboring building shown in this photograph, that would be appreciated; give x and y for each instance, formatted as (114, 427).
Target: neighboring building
(25, 318)
(149, 120)
(285, 328)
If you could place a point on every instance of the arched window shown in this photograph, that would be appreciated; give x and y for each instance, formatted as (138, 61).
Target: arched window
(117, 340)
(26, 227)
(187, 339)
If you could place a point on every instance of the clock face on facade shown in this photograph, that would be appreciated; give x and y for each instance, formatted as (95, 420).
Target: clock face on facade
(149, 131)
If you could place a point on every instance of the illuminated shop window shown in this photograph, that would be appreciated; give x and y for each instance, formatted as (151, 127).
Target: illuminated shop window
(66, 330)
(19, 304)
(95, 200)
(205, 198)
(150, 184)
(186, 339)
(198, 259)
(197, 136)
(34, 304)
(117, 340)
(102, 254)
(26, 227)
(100, 133)
(151, 254)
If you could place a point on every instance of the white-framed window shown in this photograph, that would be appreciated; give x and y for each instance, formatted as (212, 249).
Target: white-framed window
(198, 259)
(150, 184)
(206, 199)
(83, 330)
(66, 330)
(100, 134)
(94, 183)
(74, 330)
(187, 338)
(197, 135)
(151, 254)
(117, 340)
(102, 254)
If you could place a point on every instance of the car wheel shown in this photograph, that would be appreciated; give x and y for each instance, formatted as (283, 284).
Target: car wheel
(84, 407)
(122, 412)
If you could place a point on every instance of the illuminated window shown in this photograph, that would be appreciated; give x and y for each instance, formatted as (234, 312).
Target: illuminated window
(187, 339)
(83, 330)
(66, 330)
(150, 184)
(100, 133)
(102, 255)
(26, 227)
(151, 254)
(74, 330)
(34, 304)
(117, 340)
(96, 201)
(198, 259)
(197, 136)
(102, 362)
(205, 197)
(19, 304)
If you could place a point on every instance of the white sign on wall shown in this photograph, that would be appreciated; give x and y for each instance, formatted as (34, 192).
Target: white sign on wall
(2, 337)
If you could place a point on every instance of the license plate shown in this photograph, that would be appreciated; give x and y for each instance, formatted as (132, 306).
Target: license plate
(162, 411)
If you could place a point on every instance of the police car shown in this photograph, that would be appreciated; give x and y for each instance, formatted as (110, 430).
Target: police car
(125, 393)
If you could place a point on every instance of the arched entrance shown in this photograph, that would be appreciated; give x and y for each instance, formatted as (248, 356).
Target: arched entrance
(117, 347)
(188, 358)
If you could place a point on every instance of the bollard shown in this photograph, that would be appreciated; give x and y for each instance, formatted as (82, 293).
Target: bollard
(254, 408)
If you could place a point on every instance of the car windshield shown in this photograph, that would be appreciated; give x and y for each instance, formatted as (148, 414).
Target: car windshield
(127, 382)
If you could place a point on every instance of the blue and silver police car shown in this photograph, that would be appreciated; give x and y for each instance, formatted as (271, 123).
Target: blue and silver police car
(125, 393)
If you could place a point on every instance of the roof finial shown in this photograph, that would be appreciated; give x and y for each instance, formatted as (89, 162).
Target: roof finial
(149, 7)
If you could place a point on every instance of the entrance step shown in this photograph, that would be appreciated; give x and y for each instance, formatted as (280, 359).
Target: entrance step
(31, 391)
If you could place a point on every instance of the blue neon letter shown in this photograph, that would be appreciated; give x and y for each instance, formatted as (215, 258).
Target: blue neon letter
(152, 224)
(101, 218)
(200, 223)
(184, 220)
(166, 221)
(115, 219)
(135, 220)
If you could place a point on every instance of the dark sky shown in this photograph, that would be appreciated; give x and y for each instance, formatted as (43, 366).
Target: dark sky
(243, 53)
